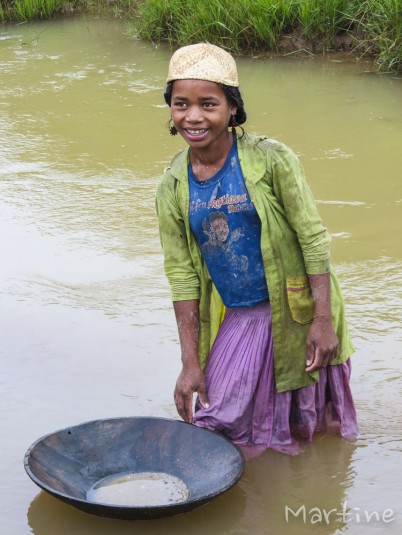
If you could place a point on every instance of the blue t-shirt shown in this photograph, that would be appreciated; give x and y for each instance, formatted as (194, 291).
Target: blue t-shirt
(228, 231)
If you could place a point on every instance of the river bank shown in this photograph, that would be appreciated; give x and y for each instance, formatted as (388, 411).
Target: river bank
(367, 28)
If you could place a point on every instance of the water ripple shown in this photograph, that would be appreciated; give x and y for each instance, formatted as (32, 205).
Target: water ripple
(373, 294)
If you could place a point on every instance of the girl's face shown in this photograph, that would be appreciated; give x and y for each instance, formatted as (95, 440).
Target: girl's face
(220, 229)
(201, 113)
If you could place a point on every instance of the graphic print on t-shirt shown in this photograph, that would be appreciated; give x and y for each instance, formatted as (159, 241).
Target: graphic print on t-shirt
(220, 241)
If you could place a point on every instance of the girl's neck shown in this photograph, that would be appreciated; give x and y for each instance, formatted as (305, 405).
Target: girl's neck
(206, 163)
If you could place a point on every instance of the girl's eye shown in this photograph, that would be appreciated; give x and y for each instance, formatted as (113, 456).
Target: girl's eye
(208, 105)
(180, 104)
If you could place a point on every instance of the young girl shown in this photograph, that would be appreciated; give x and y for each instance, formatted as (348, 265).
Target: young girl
(260, 316)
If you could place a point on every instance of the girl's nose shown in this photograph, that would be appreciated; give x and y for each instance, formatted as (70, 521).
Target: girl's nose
(194, 114)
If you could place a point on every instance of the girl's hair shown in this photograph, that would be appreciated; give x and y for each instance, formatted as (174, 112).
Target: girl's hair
(232, 94)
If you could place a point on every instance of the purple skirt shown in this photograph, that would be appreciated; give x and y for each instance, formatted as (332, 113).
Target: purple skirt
(243, 402)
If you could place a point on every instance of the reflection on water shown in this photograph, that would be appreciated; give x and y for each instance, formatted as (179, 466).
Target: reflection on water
(86, 323)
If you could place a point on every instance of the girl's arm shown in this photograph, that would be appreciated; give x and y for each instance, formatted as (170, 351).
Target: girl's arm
(191, 378)
(322, 342)
(185, 290)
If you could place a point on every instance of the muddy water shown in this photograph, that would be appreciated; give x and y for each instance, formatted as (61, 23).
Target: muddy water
(86, 326)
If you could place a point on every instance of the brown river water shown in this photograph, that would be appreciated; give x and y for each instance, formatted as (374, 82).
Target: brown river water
(86, 324)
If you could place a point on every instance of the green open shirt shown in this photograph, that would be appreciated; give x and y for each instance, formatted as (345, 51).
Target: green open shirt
(294, 243)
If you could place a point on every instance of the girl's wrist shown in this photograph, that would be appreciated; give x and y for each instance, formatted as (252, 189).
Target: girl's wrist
(323, 317)
(190, 363)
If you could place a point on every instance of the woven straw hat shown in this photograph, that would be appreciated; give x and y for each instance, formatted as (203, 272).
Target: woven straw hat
(203, 61)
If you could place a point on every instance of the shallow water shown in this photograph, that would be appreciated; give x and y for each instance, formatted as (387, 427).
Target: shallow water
(86, 325)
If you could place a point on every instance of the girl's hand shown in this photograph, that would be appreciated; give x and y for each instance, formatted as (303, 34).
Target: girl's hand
(190, 380)
(322, 344)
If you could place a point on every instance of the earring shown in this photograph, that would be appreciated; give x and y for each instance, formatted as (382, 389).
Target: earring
(233, 124)
(172, 128)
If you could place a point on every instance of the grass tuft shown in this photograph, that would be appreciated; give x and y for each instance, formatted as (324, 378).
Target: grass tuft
(24, 10)
(379, 28)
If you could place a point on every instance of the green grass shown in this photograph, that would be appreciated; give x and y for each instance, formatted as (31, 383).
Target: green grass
(24, 10)
(237, 25)
(322, 20)
(248, 26)
(379, 26)
(30, 9)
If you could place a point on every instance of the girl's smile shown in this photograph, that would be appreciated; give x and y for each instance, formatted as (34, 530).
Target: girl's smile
(195, 135)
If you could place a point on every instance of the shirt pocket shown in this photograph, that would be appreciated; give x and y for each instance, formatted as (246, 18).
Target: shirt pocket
(300, 299)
